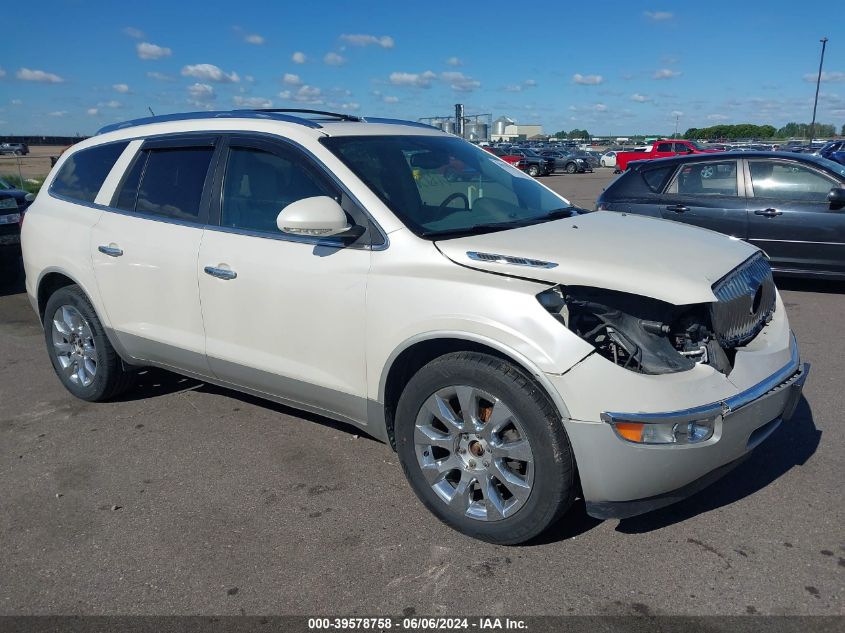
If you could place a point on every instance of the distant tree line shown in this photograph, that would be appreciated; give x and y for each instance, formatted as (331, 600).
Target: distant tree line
(573, 134)
(748, 130)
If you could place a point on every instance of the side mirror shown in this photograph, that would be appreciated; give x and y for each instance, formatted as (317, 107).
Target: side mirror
(836, 197)
(318, 216)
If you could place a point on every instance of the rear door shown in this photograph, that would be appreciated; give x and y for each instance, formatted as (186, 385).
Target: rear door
(791, 219)
(708, 194)
(145, 248)
(663, 150)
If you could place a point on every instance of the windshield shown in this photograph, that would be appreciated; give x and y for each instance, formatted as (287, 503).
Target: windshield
(831, 165)
(442, 186)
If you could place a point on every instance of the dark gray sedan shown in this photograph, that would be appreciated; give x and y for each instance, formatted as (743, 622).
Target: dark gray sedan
(790, 205)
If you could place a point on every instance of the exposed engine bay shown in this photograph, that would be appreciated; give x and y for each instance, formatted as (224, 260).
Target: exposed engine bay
(638, 333)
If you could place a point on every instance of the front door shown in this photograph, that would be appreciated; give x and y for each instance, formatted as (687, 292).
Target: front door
(284, 315)
(791, 219)
(145, 254)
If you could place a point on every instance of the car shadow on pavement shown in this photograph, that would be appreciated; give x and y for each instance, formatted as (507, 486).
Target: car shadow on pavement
(152, 382)
(789, 446)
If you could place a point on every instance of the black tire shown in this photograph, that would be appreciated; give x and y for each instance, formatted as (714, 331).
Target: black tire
(110, 378)
(553, 486)
(533, 170)
(571, 168)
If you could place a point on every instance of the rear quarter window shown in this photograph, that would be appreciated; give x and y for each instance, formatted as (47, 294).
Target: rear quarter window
(84, 172)
(655, 178)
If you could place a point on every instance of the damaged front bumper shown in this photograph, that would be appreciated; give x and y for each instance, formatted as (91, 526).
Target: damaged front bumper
(622, 478)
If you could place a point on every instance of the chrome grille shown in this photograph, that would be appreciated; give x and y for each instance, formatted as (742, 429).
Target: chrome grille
(746, 302)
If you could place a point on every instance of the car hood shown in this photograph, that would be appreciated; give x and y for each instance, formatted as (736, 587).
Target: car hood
(661, 259)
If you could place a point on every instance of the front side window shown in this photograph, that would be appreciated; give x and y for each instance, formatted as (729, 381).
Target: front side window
(788, 181)
(258, 184)
(663, 147)
(166, 182)
(442, 186)
(85, 171)
(705, 179)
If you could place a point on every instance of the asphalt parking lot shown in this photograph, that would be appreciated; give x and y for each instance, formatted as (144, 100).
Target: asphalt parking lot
(183, 498)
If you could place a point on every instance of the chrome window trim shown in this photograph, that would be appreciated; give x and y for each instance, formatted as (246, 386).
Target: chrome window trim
(317, 241)
(789, 373)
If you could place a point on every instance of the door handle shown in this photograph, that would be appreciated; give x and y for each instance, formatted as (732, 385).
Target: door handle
(220, 273)
(111, 251)
(769, 213)
(677, 208)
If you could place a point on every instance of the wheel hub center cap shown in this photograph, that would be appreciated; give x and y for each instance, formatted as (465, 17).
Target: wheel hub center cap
(474, 452)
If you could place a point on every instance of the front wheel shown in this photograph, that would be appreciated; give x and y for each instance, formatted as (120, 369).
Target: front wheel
(571, 168)
(81, 354)
(483, 448)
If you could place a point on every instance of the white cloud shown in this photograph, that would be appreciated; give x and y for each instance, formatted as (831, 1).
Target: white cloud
(113, 103)
(304, 94)
(159, 76)
(121, 88)
(93, 111)
(201, 92)
(665, 73)
(454, 61)
(640, 98)
(16, 102)
(658, 16)
(528, 83)
(254, 38)
(298, 57)
(57, 113)
(333, 59)
(209, 72)
(826, 76)
(352, 106)
(252, 102)
(385, 41)
(291, 79)
(677, 113)
(249, 79)
(38, 75)
(460, 82)
(587, 80)
(390, 99)
(717, 117)
(135, 34)
(2, 72)
(416, 80)
(600, 107)
(152, 51)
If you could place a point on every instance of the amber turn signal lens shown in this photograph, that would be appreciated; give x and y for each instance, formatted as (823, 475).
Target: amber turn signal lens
(632, 431)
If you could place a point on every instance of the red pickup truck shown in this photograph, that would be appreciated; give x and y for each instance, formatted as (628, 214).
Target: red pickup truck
(660, 149)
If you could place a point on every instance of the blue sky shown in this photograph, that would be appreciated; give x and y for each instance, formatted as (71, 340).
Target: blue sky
(612, 67)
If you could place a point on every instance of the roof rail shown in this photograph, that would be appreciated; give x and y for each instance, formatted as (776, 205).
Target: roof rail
(322, 113)
(277, 115)
(400, 122)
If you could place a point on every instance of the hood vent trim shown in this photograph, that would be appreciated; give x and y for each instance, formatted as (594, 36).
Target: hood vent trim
(493, 258)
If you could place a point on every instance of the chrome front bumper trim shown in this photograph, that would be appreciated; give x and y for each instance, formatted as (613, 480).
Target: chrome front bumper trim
(791, 374)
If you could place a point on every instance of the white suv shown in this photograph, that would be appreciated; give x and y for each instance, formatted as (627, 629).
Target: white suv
(515, 351)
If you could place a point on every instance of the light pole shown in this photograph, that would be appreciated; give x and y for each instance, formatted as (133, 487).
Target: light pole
(818, 82)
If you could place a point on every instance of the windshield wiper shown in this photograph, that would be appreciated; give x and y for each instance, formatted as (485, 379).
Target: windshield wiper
(476, 229)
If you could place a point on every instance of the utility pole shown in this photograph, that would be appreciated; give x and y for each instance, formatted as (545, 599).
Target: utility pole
(677, 116)
(818, 82)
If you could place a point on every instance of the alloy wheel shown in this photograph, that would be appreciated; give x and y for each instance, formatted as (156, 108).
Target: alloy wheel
(73, 345)
(474, 453)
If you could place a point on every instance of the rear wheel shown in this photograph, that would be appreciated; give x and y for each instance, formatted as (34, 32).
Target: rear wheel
(483, 448)
(533, 170)
(81, 354)
(571, 168)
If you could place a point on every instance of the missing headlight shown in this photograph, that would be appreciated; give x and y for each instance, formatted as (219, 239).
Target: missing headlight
(638, 333)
